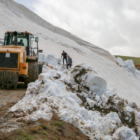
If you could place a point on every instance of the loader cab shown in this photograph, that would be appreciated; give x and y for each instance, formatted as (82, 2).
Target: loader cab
(22, 39)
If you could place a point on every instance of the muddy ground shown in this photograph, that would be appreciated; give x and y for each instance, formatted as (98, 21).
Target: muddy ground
(11, 129)
(8, 98)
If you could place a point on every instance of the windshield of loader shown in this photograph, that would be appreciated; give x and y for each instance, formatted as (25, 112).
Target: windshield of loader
(20, 39)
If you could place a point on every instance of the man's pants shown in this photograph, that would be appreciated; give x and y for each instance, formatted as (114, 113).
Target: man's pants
(68, 65)
(65, 59)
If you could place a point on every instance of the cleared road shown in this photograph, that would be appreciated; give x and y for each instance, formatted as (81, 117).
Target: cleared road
(10, 97)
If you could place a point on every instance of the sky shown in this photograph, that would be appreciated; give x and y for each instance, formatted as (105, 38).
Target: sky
(113, 25)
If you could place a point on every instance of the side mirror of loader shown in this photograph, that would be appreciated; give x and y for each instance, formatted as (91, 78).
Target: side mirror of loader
(36, 39)
(40, 51)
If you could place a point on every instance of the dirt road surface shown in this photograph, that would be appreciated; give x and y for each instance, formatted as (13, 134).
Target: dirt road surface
(11, 96)
(8, 98)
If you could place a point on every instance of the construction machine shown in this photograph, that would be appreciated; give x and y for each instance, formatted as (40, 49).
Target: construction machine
(19, 59)
(137, 67)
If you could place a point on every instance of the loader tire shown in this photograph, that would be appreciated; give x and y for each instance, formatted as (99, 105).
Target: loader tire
(32, 72)
(40, 65)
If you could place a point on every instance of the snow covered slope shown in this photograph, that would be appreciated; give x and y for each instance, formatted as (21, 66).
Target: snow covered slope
(19, 10)
(53, 40)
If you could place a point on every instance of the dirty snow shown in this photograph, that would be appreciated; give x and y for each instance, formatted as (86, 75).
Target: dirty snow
(79, 96)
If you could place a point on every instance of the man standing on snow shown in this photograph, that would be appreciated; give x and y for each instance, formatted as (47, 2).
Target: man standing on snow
(64, 54)
(69, 62)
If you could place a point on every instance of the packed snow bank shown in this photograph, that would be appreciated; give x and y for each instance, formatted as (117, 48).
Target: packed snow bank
(129, 66)
(100, 114)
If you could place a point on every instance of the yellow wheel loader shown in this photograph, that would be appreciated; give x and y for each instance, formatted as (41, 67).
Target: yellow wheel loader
(19, 59)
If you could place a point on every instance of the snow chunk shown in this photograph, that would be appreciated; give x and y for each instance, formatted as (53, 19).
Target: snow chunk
(87, 78)
(114, 117)
(124, 133)
(91, 102)
(85, 66)
(128, 65)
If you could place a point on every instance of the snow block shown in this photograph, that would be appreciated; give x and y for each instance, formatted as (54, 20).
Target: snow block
(124, 133)
(87, 78)
(128, 65)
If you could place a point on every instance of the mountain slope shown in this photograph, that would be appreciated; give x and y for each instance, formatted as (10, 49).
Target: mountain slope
(54, 40)
(19, 10)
